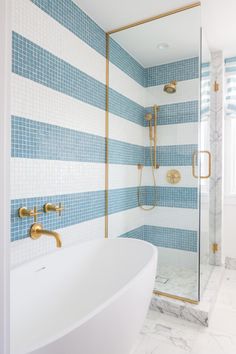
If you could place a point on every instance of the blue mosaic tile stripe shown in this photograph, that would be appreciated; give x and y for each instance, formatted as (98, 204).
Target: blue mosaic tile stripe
(123, 60)
(205, 65)
(124, 153)
(37, 140)
(33, 62)
(124, 107)
(78, 207)
(172, 155)
(172, 197)
(69, 15)
(176, 113)
(186, 240)
(230, 60)
(137, 233)
(122, 199)
(187, 69)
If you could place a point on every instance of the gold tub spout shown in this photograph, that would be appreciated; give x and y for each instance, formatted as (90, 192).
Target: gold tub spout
(37, 231)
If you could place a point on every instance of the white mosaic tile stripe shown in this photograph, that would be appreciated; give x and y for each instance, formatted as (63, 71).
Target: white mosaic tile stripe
(175, 134)
(177, 258)
(42, 104)
(45, 105)
(33, 177)
(43, 30)
(125, 85)
(126, 131)
(187, 179)
(123, 176)
(125, 221)
(178, 218)
(187, 90)
(27, 249)
(65, 177)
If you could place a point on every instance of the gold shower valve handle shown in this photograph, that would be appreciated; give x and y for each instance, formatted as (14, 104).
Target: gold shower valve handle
(48, 207)
(23, 212)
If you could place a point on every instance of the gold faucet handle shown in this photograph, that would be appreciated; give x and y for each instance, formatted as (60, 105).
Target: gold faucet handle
(24, 212)
(52, 207)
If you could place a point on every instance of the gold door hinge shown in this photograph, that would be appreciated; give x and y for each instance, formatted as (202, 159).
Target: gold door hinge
(215, 247)
(216, 86)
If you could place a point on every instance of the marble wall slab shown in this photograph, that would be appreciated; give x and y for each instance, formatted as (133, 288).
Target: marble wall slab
(216, 147)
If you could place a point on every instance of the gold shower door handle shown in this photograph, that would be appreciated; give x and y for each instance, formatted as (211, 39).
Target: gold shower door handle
(194, 159)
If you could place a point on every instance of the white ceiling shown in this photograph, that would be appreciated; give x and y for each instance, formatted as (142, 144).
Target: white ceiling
(142, 41)
(218, 17)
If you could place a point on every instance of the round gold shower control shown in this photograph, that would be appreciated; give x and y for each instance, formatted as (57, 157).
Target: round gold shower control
(173, 176)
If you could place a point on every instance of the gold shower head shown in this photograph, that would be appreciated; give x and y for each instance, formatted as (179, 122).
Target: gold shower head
(171, 87)
(148, 116)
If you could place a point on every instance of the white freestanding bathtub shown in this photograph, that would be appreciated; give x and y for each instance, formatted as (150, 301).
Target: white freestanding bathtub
(89, 298)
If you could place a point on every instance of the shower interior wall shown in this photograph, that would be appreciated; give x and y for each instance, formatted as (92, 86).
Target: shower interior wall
(173, 224)
(71, 146)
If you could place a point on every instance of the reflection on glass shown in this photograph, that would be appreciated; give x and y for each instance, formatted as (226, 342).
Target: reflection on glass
(158, 85)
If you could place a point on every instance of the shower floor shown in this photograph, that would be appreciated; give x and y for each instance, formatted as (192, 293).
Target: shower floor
(182, 282)
(176, 281)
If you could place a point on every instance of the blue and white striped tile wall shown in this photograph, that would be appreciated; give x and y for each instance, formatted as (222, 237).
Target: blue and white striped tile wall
(58, 117)
(177, 140)
(230, 73)
(58, 121)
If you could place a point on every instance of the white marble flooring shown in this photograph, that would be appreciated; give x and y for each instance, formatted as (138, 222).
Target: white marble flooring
(181, 281)
(163, 334)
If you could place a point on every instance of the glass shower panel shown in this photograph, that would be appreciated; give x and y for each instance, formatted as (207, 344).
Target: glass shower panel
(154, 95)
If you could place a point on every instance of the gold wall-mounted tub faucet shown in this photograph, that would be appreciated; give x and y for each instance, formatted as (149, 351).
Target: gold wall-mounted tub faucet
(48, 207)
(23, 212)
(37, 231)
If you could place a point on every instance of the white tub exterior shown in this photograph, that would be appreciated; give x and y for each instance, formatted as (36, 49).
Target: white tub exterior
(90, 298)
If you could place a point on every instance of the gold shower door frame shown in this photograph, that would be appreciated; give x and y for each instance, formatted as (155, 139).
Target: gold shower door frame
(153, 18)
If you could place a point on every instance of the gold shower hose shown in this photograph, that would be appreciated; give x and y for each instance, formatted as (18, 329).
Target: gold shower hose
(153, 167)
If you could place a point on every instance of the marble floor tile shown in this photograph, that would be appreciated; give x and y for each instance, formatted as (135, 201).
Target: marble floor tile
(163, 334)
(215, 343)
(227, 298)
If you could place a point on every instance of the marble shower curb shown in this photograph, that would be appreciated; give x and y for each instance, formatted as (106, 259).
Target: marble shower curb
(200, 313)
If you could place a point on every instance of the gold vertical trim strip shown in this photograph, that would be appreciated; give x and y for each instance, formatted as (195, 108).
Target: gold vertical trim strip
(153, 18)
(107, 136)
(155, 136)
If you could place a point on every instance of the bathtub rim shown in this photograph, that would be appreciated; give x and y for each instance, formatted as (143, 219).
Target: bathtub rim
(100, 307)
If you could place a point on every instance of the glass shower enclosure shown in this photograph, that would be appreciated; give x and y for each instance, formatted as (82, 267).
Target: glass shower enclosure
(158, 158)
